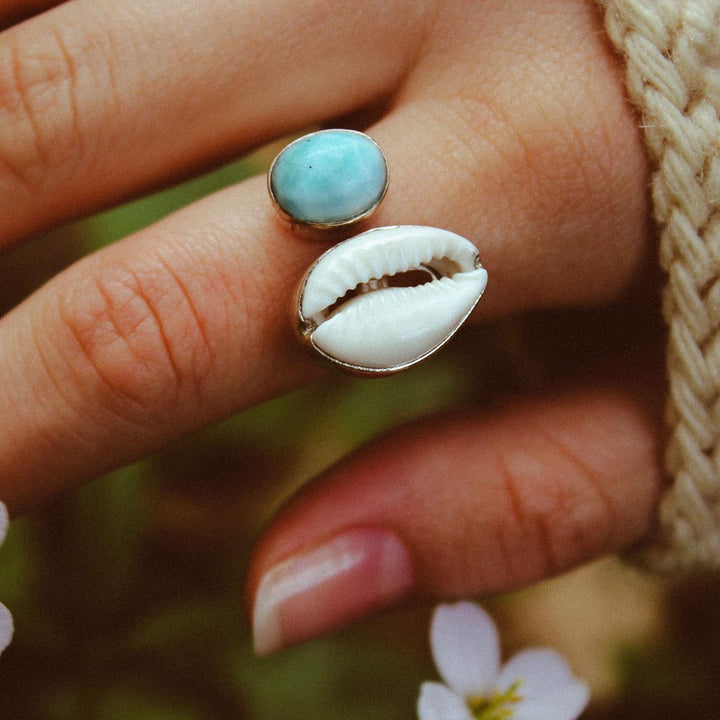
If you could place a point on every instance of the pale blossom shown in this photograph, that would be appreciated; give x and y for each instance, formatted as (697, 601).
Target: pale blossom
(535, 684)
(6, 622)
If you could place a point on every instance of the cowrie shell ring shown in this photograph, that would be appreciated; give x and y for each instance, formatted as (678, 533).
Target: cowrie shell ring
(384, 300)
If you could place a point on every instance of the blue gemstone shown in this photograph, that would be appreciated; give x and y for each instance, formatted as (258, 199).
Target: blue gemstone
(331, 177)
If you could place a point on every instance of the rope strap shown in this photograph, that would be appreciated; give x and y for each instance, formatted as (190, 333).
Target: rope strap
(672, 52)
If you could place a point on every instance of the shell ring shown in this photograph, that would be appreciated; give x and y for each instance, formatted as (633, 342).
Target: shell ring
(385, 299)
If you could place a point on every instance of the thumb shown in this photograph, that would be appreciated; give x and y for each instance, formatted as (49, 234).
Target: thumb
(457, 505)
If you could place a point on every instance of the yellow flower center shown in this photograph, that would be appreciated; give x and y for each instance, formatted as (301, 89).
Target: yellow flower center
(498, 706)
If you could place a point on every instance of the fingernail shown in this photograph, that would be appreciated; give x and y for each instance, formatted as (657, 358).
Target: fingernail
(325, 587)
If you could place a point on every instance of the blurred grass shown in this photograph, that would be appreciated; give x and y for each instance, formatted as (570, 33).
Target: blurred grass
(128, 593)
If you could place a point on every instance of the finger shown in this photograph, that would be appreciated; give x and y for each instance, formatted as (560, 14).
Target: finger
(100, 99)
(458, 506)
(187, 321)
(531, 152)
(164, 332)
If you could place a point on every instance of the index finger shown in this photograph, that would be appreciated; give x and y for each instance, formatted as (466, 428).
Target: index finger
(101, 99)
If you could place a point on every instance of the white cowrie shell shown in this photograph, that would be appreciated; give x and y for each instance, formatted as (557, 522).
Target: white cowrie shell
(356, 307)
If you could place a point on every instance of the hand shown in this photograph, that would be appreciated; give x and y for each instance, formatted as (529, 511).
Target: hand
(504, 121)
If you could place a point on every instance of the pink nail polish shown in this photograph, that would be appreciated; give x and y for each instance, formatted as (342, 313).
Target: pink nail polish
(324, 587)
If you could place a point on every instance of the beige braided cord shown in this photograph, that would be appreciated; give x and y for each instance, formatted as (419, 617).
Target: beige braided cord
(672, 50)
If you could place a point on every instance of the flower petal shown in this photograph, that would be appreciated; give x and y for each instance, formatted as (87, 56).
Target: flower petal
(439, 702)
(6, 627)
(566, 703)
(4, 522)
(548, 689)
(466, 648)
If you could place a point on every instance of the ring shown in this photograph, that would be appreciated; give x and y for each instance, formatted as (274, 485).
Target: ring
(389, 297)
(328, 179)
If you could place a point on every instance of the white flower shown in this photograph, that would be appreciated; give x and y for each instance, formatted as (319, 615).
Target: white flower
(6, 622)
(535, 684)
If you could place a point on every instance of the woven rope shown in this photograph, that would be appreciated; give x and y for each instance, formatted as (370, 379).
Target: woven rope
(672, 50)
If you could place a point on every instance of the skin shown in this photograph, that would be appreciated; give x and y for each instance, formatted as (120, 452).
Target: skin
(503, 120)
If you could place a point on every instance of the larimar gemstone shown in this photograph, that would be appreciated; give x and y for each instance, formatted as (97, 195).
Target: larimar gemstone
(327, 178)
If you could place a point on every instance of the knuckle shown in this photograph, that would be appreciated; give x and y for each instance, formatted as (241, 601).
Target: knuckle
(137, 332)
(38, 108)
(570, 176)
(555, 504)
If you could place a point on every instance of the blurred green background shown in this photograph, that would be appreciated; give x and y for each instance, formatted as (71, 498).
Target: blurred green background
(128, 593)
